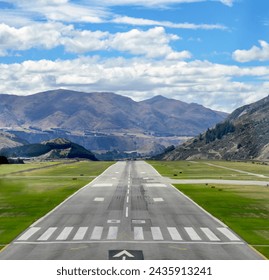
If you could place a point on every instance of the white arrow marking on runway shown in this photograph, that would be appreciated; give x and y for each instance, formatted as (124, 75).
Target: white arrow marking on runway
(123, 253)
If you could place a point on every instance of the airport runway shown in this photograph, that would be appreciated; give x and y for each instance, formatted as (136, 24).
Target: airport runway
(129, 212)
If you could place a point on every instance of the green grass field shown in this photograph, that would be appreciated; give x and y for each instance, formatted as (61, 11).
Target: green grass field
(205, 170)
(29, 191)
(245, 209)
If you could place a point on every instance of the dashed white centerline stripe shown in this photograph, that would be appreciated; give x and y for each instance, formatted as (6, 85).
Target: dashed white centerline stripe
(80, 233)
(127, 212)
(29, 233)
(64, 234)
(127, 199)
(47, 234)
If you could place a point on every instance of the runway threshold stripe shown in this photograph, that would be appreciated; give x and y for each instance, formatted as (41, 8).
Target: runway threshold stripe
(138, 233)
(47, 234)
(97, 233)
(174, 233)
(65, 233)
(192, 233)
(211, 236)
(31, 231)
(80, 233)
(156, 233)
(228, 234)
(112, 233)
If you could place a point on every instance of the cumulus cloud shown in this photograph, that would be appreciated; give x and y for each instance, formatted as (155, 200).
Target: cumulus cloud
(46, 36)
(255, 53)
(213, 85)
(151, 43)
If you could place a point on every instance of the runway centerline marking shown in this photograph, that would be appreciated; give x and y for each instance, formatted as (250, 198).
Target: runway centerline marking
(127, 212)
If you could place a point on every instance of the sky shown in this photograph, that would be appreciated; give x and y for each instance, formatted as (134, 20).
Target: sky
(211, 52)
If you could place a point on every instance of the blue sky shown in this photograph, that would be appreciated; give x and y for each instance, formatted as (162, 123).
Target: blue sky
(211, 52)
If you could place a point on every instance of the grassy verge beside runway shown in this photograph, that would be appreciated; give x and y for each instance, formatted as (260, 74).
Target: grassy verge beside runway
(245, 209)
(210, 170)
(27, 192)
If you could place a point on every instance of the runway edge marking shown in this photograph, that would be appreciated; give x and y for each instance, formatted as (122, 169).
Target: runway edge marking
(172, 186)
(71, 196)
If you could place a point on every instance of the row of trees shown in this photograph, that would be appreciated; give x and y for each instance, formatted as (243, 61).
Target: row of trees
(219, 131)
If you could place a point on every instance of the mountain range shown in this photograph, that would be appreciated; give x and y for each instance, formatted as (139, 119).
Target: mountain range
(243, 135)
(103, 121)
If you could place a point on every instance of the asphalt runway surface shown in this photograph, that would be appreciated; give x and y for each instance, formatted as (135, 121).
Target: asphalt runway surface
(129, 212)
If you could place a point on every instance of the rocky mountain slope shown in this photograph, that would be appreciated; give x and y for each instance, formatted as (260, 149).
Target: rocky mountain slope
(102, 121)
(52, 149)
(243, 135)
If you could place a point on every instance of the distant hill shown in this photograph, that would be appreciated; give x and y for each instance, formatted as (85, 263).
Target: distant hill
(103, 120)
(53, 149)
(10, 140)
(243, 135)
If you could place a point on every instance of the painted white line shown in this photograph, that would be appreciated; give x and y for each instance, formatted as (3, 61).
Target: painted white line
(210, 215)
(117, 172)
(112, 233)
(138, 221)
(71, 196)
(102, 185)
(192, 233)
(31, 231)
(127, 199)
(228, 234)
(158, 199)
(80, 233)
(156, 233)
(142, 172)
(174, 233)
(211, 236)
(113, 221)
(138, 233)
(97, 233)
(155, 185)
(130, 242)
(127, 212)
(65, 233)
(114, 178)
(47, 234)
(99, 199)
(128, 191)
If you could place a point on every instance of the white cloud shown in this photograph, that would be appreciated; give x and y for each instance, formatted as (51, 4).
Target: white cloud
(155, 3)
(148, 22)
(255, 53)
(213, 85)
(46, 36)
(153, 43)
